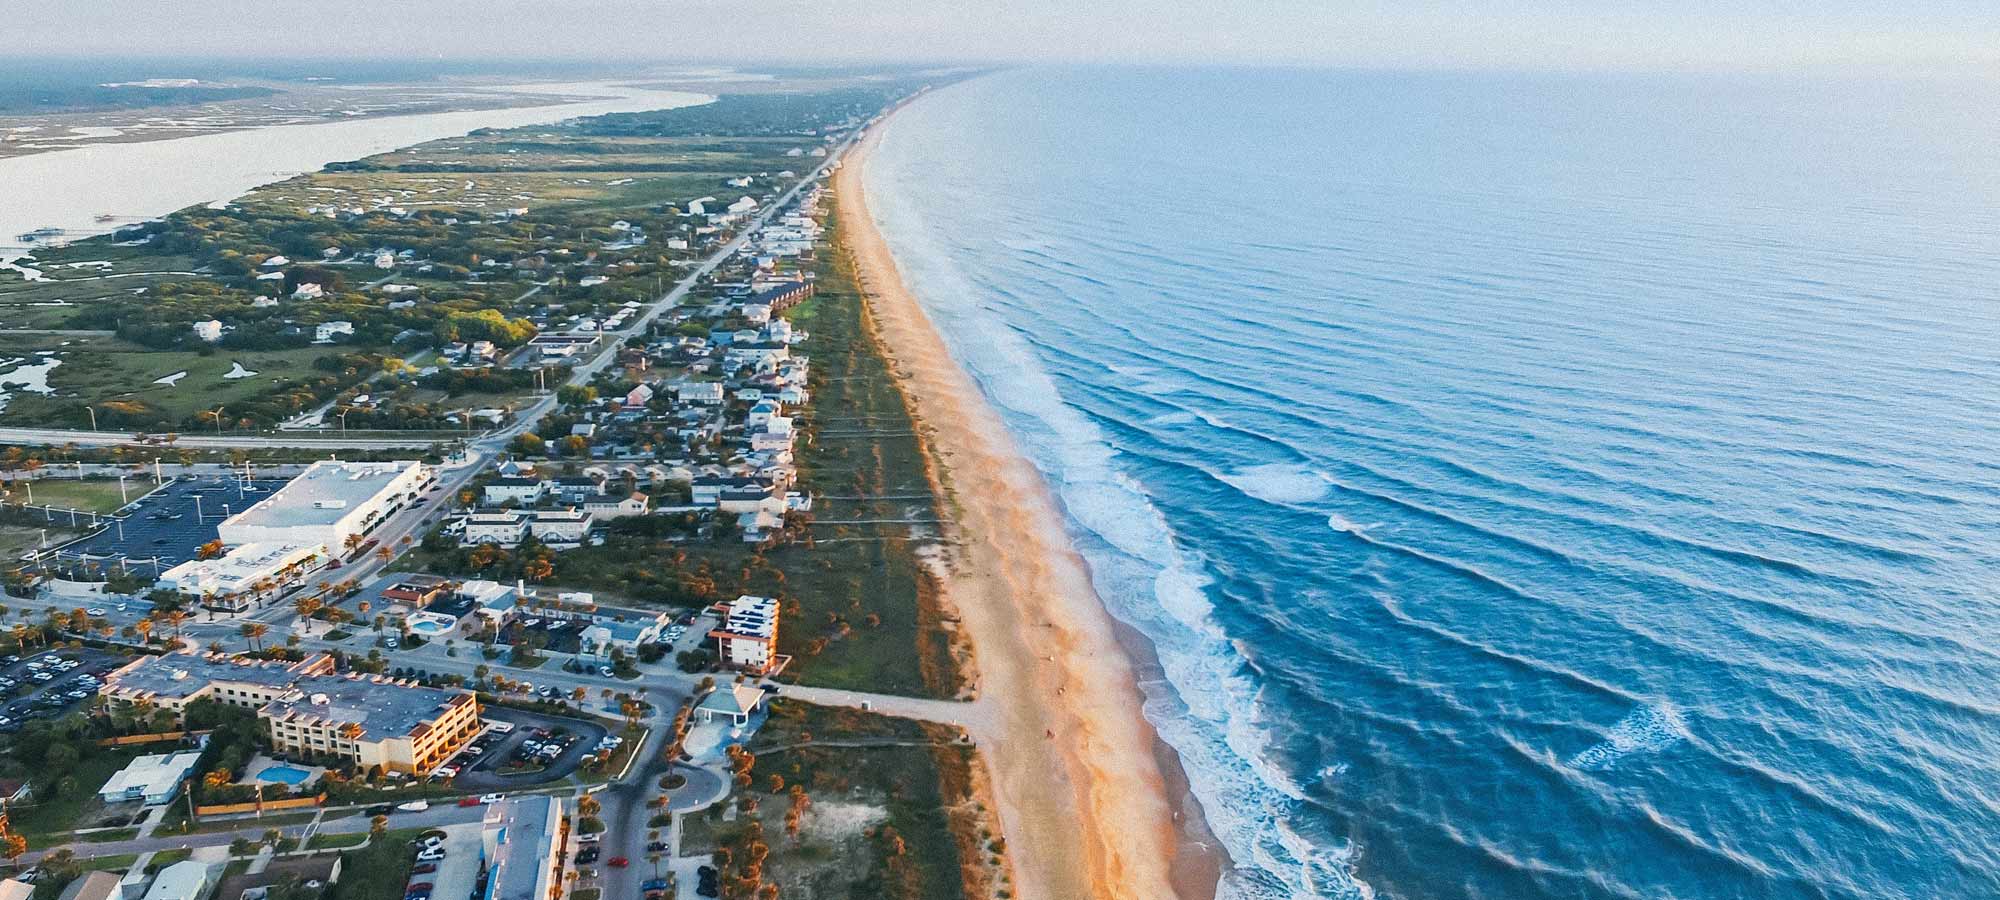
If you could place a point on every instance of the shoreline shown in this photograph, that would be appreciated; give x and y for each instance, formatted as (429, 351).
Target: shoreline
(1091, 801)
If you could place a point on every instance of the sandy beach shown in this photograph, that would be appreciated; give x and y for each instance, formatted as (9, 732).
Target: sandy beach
(1087, 801)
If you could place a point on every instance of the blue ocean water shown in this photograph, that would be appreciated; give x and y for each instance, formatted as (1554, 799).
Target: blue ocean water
(1536, 486)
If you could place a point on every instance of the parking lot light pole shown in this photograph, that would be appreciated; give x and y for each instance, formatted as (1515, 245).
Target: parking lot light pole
(197, 509)
(123, 498)
(93, 417)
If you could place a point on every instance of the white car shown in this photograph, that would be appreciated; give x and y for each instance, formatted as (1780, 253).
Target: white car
(492, 798)
(591, 838)
(413, 806)
(434, 854)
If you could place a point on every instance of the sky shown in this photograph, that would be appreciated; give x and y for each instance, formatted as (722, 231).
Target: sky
(1722, 35)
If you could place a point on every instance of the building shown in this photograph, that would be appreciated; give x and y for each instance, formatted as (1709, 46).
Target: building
(311, 711)
(184, 880)
(605, 507)
(153, 780)
(93, 886)
(559, 526)
(782, 295)
(712, 490)
(748, 636)
(521, 848)
(577, 488)
(705, 393)
(734, 703)
(505, 527)
(518, 489)
(210, 330)
(605, 635)
(328, 503)
(237, 580)
(11, 889)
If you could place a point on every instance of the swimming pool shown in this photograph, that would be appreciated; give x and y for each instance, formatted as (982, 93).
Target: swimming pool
(430, 624)
(283, 774)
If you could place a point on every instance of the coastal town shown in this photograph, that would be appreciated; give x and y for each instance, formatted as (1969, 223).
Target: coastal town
(563, 535)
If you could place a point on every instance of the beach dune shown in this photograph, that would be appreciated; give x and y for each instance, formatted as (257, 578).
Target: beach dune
(1081, 796)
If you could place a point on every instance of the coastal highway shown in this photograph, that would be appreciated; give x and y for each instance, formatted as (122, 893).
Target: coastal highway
(58, 437)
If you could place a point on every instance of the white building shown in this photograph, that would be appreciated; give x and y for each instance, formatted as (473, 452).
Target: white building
(604, 636)
(559, 526)
(307, 291)
(705, 393)
(748, 636)
(384, 259)
(153, 779)
(521, 490)
(231, 582)
(328, 503)
(210, 331)
(505, 527)
(184, 880)
(325, 332)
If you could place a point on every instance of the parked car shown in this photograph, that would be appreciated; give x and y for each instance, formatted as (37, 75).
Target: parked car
(434, 854)
(382, 810)
(468, 801)
(619, 862)
(492, 798)
(587, 855)
(423, 868)
(413, 806)
(590, 838)
(657, 847)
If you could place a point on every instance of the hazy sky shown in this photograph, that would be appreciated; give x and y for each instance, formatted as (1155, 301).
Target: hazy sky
(1594, 34)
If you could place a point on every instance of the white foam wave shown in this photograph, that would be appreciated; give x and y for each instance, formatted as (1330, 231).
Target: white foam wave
(1207, 709)
(1648, 729)
(1282, 483)
(1338, 522)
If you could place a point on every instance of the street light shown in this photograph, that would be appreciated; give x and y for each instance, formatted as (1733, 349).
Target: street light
(218, 421)
(93, 416)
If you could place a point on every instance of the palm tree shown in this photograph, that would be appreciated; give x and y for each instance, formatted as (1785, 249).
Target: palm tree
(254, 632)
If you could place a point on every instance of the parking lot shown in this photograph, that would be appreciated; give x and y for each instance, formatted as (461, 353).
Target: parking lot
(164, 528)
(486, 771)
(50, 684)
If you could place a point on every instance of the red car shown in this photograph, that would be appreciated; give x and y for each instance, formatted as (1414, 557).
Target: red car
(468, 801)
(619, 862)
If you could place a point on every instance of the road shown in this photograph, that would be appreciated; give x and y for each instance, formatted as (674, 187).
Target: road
(81, 438)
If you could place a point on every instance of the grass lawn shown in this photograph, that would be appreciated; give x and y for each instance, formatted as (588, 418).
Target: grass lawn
(115, 834)
(99, 369)
(335, 841)
(116, 863)
(167, 858)
(51, 821)
(89, 495)
(17, 540)
(378, 871)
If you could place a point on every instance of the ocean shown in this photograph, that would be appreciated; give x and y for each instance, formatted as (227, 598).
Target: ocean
(1534, 485)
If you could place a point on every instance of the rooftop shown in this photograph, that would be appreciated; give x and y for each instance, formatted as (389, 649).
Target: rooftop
(520, 834)
(403, 709)
(326, 492)
(152, 775)
(180, 675)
